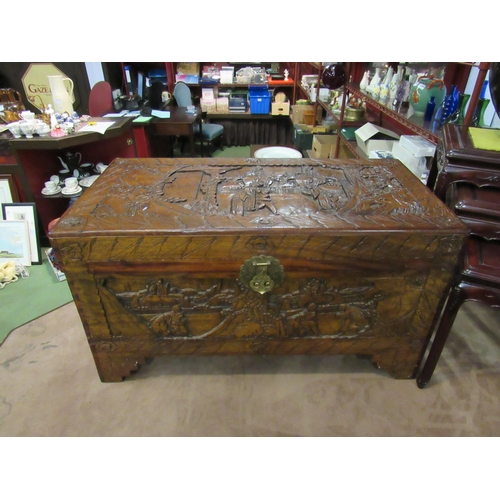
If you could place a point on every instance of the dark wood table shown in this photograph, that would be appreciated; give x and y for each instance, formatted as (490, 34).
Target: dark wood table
(38, 158)
(180, 123)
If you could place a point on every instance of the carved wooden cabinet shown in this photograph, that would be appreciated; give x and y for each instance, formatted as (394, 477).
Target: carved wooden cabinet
(249, 256)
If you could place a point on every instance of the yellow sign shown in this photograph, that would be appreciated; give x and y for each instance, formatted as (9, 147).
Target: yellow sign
(36, 84)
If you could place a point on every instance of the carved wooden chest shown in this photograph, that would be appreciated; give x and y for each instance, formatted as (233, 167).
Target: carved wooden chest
(247, 256)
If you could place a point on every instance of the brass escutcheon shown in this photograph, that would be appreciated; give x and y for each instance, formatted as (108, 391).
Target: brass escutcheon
(262, 273)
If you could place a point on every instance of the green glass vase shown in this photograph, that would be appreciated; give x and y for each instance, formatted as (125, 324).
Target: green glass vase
(458, 116)
(478, 119)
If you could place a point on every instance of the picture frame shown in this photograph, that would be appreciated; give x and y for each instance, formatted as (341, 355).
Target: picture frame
(26, 212)
(8, 189)
(15, 241)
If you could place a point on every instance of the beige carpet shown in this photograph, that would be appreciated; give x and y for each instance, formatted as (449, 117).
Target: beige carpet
(49, 387)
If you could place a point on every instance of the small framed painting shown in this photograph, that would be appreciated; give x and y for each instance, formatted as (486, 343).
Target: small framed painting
(25, 212)
(8, 189)
(15, 241)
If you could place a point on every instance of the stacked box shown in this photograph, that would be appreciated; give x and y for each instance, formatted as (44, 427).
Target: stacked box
(302, 136)
(260, 101)
(222, 104)
(208, 105)
(322, 145)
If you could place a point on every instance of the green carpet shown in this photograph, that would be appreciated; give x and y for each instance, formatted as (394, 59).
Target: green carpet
(30, 298)
(233, 152)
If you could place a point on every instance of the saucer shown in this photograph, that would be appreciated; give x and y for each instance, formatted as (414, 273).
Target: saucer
(70, 192)
(88, 181)
(46, 192)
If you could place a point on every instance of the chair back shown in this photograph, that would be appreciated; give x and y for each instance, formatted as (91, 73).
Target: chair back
(100, 99)
(182, 95)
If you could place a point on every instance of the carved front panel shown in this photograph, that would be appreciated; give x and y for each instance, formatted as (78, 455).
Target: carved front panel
(186, 308)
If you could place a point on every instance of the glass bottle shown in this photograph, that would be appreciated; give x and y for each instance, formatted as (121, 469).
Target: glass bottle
(478, 118)
(457, 117)
(429, 109)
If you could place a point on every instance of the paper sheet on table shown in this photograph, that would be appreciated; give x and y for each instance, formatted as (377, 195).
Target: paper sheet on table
(100, 127)
(142, 119)
(160, 114)
(115, 115)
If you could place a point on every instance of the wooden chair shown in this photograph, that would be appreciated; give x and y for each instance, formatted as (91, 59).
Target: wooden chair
(101, 99)
(479, 276)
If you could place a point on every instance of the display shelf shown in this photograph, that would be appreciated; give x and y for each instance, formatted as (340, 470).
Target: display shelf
(414, 123)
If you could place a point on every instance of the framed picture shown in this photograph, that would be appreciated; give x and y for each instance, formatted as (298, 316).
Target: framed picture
(25, 212)
(15, 241)
(8, 189)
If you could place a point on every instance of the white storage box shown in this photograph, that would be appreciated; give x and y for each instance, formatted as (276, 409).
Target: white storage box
(370, 137)
(416, 164)
(417, 145)
(227, 74)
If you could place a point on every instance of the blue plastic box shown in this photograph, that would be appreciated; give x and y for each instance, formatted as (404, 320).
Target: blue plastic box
(260, 101)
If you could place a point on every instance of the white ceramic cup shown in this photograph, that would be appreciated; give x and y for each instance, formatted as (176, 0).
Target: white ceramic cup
(27, 129)
(100, 167)
(71, 183)
(50, 186)
(15, 129)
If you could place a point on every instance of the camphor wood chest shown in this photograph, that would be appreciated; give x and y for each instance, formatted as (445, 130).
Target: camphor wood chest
(248, 256)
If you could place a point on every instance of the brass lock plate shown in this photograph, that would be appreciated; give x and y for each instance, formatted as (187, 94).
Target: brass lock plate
(262, 273)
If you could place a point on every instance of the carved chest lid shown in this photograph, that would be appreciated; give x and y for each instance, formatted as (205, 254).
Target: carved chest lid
(206, 195)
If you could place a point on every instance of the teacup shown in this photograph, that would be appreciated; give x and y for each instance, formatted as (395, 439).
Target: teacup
(15, 129)
(27, 115)
(42, 129)
(100, 167)
(50, 186)
(27, 129)
(86, 169)
(71, 183)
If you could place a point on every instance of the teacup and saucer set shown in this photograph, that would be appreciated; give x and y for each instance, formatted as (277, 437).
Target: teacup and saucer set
(51, 187)
(71, 187)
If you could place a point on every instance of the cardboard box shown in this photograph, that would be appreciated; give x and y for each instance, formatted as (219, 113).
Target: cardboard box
(322, 145)
(370, 137)
(302, 136)
(188, 68)
(417, 145)
(416, 164)
(227, 74)
(222, 104)
(181, 77)
(207, 93)
(280, 108)
(298, 111)
(208, 105)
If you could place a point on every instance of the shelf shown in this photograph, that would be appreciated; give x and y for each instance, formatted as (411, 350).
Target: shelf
(119, 126)
(415, 122)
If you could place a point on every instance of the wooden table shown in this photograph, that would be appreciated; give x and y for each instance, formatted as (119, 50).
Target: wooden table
(180, 123)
